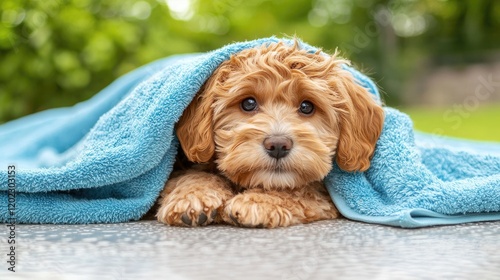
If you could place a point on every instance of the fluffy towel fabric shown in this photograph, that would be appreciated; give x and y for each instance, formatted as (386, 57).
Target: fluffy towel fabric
(106, 159)
(418, 180)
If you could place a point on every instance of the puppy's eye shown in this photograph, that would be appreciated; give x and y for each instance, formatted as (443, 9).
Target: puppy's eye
(249, 104)
(306, 107)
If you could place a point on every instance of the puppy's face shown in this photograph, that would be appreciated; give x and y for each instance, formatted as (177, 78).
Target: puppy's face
(274, 122)
(277, 116)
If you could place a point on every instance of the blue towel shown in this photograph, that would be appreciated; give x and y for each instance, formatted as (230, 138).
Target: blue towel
(105, 160)
(418, 180)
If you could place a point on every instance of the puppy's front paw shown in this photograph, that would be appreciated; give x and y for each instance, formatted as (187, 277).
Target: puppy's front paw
(257, 210)
(194, 199)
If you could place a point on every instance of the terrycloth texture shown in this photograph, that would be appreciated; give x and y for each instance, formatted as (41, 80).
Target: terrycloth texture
(106, 159)
(418, 180)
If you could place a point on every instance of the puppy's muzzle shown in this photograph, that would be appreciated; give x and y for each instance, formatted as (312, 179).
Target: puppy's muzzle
(278, 146)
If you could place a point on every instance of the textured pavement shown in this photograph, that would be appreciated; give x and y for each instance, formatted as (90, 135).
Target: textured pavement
(339, 249)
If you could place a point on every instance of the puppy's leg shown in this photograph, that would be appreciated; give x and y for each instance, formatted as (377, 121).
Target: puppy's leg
(193, 199)
(261, 208)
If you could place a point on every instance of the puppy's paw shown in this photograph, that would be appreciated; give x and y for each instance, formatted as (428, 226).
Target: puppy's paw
(195, 199)
(257, 210)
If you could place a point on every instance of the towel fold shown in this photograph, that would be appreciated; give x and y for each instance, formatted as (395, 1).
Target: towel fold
(106, 160)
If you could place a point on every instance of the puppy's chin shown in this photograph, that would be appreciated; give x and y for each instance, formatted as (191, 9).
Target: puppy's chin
(273, 177)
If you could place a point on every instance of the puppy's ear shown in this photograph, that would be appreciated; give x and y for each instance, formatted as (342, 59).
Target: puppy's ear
(195, 129)
(361, 122)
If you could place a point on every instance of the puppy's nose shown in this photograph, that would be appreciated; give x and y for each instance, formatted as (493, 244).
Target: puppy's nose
(278, 146)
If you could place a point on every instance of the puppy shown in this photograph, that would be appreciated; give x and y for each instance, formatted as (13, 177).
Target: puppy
(263, 132)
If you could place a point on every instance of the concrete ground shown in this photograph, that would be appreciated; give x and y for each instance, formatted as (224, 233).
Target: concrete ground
(339, 249)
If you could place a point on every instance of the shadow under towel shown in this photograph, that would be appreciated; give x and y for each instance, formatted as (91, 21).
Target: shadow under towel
(106, 160)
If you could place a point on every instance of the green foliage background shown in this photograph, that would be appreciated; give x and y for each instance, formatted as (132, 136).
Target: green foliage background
(58, 52)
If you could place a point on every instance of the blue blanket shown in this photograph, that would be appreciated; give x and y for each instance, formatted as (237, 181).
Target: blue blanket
(106, 160)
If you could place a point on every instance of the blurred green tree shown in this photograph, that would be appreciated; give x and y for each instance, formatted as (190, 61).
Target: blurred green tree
(58, 52)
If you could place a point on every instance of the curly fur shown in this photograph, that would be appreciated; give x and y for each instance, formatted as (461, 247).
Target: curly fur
(344, 126)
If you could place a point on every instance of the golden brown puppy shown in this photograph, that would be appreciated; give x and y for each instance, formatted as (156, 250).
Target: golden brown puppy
(265, 128)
